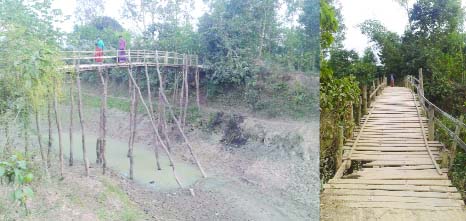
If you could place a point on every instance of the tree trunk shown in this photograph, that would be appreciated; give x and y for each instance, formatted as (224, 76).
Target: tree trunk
(81, 122)
(57, 120)
(71, 121)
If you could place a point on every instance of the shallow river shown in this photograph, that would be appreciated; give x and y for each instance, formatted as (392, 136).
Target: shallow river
(145, 169)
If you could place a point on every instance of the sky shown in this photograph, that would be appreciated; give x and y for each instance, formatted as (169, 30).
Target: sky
(391, 14)
(112, 9)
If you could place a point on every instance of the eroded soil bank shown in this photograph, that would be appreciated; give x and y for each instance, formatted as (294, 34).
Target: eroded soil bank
(272, 175)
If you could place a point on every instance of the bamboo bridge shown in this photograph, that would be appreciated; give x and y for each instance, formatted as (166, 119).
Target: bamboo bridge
(137, 63)
(397, 161)
(85, 60)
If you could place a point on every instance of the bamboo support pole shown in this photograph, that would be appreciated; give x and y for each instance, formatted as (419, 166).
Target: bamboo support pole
(182, 91)
(131, 129)
(186, 96)
(71, 121)
(41, 146)
(431, 123)
(339, 154)
(364, 99)
(197, 87)
(103, 119)
(58, 123)
(151, 108)
(49, 120)
(359, 111)
(81, 120)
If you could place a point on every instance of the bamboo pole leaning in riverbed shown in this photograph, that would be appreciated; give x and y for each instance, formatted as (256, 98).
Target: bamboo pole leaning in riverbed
(172, 113)
(130, 72)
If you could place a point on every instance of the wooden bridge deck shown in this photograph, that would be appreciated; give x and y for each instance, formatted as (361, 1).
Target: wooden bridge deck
(399, 168)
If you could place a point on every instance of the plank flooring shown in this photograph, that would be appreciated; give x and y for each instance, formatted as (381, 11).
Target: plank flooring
(399, 166)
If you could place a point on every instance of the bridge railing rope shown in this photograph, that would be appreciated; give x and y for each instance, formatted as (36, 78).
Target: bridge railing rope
(438, 117)
(164, 58)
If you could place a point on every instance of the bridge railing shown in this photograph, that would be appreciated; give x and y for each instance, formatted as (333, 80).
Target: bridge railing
(164, 58)
(438, 117)
(356, 111)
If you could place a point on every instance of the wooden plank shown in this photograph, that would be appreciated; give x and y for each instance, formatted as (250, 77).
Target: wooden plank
(398, 205)
(393, 182)
(403, 199)
(440, 189)
(399, 163)
(348, 192)
(393, 149)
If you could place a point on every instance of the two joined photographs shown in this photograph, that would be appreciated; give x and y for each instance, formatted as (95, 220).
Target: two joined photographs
(261, 110)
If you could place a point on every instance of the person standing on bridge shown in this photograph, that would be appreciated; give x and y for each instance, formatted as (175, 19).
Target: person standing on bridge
(121, 50)
(99, 50)
(392, 80)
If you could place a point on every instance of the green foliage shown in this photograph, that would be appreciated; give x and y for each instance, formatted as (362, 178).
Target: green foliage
(108, 29)
(30, 56)
(328, 23)
(17, 172)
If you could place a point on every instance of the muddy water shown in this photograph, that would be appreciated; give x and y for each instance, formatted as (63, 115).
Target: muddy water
(145, 170)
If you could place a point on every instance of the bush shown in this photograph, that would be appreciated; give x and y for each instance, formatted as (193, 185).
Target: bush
(17, 173)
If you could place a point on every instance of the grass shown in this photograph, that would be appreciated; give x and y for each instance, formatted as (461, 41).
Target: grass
(129, 212)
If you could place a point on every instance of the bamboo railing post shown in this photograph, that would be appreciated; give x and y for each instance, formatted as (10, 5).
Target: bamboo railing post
(349, 129)
(339, 154)
(421, 86)
(364, 99)
(377, 86)
(454, 144)
(405, 81)
(197, 87)
(359, 111)
(165, 61)
(431, 123)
